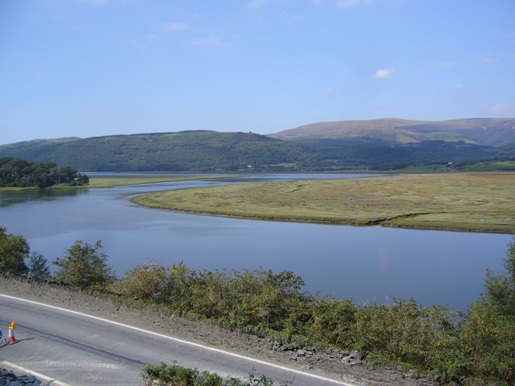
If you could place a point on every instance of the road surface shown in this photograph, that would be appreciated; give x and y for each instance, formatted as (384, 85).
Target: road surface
(84, 350)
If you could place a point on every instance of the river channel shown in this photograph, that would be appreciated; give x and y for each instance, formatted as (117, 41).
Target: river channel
(361, 263)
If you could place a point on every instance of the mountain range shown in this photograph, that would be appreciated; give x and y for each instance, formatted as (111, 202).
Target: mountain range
(381, 144)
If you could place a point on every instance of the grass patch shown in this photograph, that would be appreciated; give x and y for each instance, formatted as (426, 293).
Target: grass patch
(483, 202)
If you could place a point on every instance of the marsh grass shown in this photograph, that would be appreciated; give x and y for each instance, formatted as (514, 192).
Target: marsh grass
(483, 202)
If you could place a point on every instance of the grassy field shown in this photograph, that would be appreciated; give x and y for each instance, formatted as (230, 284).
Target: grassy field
(480, 202)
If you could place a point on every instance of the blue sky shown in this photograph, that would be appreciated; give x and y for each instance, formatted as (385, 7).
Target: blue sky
(99, 67)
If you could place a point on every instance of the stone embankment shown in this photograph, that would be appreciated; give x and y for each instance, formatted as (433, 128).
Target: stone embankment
(351, 367)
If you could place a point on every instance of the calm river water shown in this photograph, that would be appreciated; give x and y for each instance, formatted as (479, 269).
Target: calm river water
(361, 263)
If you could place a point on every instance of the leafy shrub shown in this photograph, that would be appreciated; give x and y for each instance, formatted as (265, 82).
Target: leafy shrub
(175, 375)
(488, 334)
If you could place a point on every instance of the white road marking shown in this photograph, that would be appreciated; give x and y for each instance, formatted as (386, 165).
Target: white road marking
(180, 340)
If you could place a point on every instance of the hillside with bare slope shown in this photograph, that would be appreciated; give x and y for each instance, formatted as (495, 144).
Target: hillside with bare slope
(478, 131)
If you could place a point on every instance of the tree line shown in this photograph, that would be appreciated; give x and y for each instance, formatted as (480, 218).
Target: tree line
(17, 172)
(477, 345)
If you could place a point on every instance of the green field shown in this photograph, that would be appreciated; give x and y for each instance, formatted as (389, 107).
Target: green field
(480, 202)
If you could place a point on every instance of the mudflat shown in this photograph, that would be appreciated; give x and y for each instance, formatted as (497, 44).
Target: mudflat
(477, 202)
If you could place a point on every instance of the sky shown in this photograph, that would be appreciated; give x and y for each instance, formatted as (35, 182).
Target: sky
(87, 68)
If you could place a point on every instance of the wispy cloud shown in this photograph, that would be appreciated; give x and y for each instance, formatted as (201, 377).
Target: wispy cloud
(351, 3)
(210, 41)
(502, 108)
(489, 59)
(384, 73)
(174, 26)
(443, 64)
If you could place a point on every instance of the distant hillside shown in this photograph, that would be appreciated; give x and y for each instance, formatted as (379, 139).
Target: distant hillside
(382, 144)
(479, 131)
(39, 142)
(183, 151)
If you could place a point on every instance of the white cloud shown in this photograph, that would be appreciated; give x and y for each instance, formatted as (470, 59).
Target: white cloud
(352, 3)
(384, 73)
(174, 26)
(502, 108)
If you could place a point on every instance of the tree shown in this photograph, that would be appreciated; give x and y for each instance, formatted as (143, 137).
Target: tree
(13, 251)
(16, 172)
(84, 266)
(38, 266)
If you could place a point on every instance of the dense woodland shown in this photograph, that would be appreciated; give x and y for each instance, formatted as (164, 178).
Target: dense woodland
(16, 172)
(474, 347)
(209, 151)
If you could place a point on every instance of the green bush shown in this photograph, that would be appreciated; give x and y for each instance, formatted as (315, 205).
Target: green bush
(175, 375)
(488, 334)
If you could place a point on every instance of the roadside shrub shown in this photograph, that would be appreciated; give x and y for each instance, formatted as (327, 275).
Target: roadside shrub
(488, 341)
(145, 282)
(403, 332)
(331, 322)
(175, 375)
(488, 333)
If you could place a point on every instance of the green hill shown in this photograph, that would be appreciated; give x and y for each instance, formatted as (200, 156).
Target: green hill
(383, 144)
(182, 152)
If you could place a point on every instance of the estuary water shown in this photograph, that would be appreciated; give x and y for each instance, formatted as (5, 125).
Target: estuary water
(361, 263)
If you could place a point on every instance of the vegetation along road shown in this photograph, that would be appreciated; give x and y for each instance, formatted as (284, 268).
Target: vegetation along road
(481, 202)
(80, 349)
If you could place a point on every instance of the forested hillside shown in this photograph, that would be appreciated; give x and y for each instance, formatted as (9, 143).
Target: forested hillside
(183, 151)
(387, 144)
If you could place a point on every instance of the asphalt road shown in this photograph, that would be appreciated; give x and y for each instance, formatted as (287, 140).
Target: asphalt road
(79, 349)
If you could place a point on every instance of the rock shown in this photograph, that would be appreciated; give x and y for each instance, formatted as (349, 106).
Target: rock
(12, 379)
(354, 358)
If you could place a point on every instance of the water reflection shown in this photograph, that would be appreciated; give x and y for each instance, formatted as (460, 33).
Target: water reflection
(17, 197)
